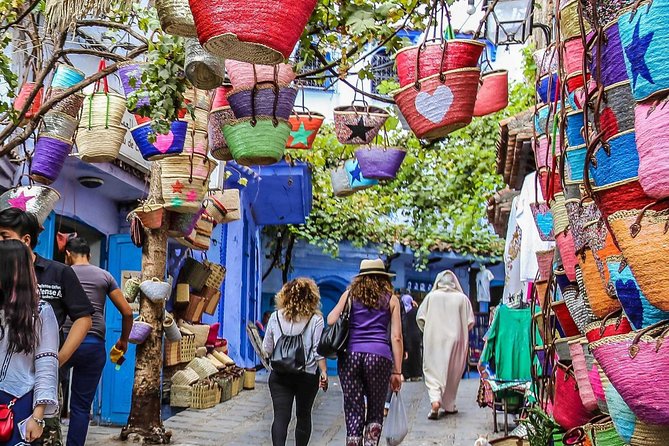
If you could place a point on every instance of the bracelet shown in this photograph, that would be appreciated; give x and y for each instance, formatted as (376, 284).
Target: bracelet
(396, 373)
(40, 422)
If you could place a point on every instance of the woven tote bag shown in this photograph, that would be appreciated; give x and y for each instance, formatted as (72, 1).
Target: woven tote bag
(652, 140)
(608, 62)
(164, 145)
(203, 70)
(601, 297)
(257, 141)
(615, 109)
(380, 162)
(357, 124)
(581, 373)
(568, 410)
(245, 75)
(49, 157)
(303, 129)
(218, 118)
(493, 94)
(185, 181)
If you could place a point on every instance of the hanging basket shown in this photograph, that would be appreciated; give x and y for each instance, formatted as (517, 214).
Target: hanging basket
(616, 113)
(493, 94)
(628, 195)
(263, 32)
(181, 224)
(21, 99)
(568, 410)
(170, 328)
(49, 158)
(201, 120)
(71, 105)
(358, 124)
(565, 244)
(569, 21)
(131, 289)
(545, 263)
(103, 110)
(652, 142)
(439, 106)
(37, 200)
(263, 101)
(380, 162)
(156, 290)
(575, 81)
(260, 144)
(548, 88)
(66, 76)
(355, 177)
(340, 184)
(543, 118)
(565, 320)
(185, 180)
(203, 70)
(176, 18)
(304, 128)
(546, 60)
(223, 206)
(221, 96)
(622, 164)
(573, 55)
(196, 142)
(150, 214)
(574, 128)
(436, 57)
(140, 331)
(59, 124)
(198, 98)
(595, 286)
(100, 144)
(245, 75)
(218, 118)
(578, 305)
(194, 273)
(130, 74)
(612, 62)
(165, 145)
(543, 220)
(581, 374)
(543, 151)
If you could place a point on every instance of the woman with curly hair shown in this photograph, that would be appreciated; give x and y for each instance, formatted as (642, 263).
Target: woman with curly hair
(373, 357)
(298, 314)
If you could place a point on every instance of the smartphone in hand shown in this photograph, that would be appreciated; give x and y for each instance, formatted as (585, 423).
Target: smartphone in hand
(323, 384)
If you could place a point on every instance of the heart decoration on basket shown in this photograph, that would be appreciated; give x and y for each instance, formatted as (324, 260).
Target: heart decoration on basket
(164, 145)
(543, 219)
(156, 290)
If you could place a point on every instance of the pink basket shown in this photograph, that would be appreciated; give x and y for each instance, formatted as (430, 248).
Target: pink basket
(568, 409)
(581, 373)
(565, 244)
(241, 74)
(652, 142)
(493, 95)
(573, 55)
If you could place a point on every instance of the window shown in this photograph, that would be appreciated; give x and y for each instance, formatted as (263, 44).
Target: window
(320, 81)
(383, 68)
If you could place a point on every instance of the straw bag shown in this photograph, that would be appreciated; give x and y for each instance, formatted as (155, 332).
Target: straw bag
(545, 263)
(356, 179)
(66, 76)
(49, 158)
(131, 289)
(37, 200)
(569, 21)
(185, 377)
(180, 396)
(620, 165)
(185, 180)
(543, 151)
(203, 367)
(182, 293)
(548, 88)
(156, 290)
(205, 395)
(263, 101)
(166, 145)
(130, 74)
(357, 124)
(581, 373)
(150, 214)
(263, 32)
(217, 276)
(22, 98)
(574, 163)
(609, 68)
(59, 124)
(565, 244)
(211, 304)
(635, 365)
(613, 324)
(569, 328)
(198, 98)
(182, 224)
(194, 273)
(380, 162)
(218, 118)
(440, 104)
(652, 134)
(170, 328)
(304, 128)
(71, 105)
(140, 332)
(568, 410)
(102, 108)
(176, 18)
(578, 304)
(198, 119)
(246, 75)
(261, 143)
(572, 53)
(546, 60)
(203, 70)
(200, 237)
(223, 206)
(601, 297)
(493, 94)
(201, 332)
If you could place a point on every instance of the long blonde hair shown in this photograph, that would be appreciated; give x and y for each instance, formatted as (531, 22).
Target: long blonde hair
(373, 291)
(299, 299)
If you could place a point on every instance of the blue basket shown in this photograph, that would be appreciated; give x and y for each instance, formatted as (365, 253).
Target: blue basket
(541, 118)
(66, 76)
(618, 167)
(575, 129)
(165, 145)
(548, 87)
(575, 164)
(355, 178)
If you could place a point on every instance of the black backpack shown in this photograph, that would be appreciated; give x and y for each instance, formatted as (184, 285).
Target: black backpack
(289, 355)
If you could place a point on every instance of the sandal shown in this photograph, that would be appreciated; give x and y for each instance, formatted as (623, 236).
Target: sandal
(433, 415)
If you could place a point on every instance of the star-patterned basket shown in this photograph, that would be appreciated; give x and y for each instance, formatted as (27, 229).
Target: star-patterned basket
(303, 129)
(355, 177)
(185, 180)
(355, 124)
(36, 200)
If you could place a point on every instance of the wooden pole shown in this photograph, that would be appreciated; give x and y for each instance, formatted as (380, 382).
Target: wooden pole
(145, 422)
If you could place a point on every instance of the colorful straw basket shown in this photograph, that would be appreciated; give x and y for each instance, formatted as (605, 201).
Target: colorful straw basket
(575, 163)
(185, 180)
(545, 263)
(263, 101)
(140, 332)
(380, 162)
(21, 99)
(246, 75)
(150, 214)
(652, 142)
(221, 96)
(596, 287)
(606, 12)
(581, 374)
(182, 224)
(356, 124)
(543, 220)
(576, 81)
(355, 177)
(616, 110)
(573, 55)
(262, 32)
(565, 244)
(49, 158)
(578, 305)
(59, 124)
(439, 104)
(261, 143)
(620, 165)
(198, 98)
(218, 118)
(100, 144)
(203, 70)
(548, 88)
(71, 105)
(130, 74)
(223, 206)
(103, 110)
(425, 60)
(565, 320)
(543, 151)
(340, 184)
(164, 145)
(66, 76)
(546, 60)
(646, 48)
(569, 20)
(568, 410)
(612, 62)
(493, 94)
(612, 325)
(574, 128)
(304, 128)
(196, 142)
(37, 200)
(176, 18)
(200, 121)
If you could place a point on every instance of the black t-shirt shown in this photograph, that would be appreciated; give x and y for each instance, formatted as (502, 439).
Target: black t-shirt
(59, 285)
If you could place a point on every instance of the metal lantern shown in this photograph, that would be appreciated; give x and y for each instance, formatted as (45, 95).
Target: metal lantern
(510, 21)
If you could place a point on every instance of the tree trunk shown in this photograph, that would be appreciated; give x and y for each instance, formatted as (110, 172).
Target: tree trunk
(145, 422)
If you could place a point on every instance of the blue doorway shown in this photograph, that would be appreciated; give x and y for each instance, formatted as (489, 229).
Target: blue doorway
(331, 288)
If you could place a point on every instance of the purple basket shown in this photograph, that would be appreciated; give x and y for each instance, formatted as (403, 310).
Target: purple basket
(612, 61)
(240, 102)
(379, 162)
(140, 332)
(130, 71)
(165, 145)
(48, 159)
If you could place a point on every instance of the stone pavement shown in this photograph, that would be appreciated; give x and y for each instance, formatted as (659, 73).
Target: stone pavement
(246, 420)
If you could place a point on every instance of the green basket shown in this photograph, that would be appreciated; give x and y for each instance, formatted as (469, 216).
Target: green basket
(226, 389)
(257, 145)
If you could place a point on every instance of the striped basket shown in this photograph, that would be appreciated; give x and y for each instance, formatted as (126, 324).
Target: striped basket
(573, 55)
(203, 70)
(66, 76)
(59, 124)
(652, 142)
(622, 164)
(130, 74)
(569, 20)
(616, 110)
(185, 180)
(245, 75)
(263, 101)
(71, 105)
(262, 32)
(176, 18)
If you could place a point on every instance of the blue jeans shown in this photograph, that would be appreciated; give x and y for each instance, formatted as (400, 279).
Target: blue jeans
(87, 364)
(23, 408)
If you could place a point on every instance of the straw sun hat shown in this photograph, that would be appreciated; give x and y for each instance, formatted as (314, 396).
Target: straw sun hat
(369, 267)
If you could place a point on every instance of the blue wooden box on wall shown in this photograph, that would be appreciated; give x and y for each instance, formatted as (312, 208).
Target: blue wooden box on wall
(284, 194)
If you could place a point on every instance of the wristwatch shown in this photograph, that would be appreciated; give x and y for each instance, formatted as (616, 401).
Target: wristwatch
(40, 422)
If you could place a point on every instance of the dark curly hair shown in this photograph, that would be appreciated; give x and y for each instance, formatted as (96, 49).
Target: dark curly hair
(373, 291)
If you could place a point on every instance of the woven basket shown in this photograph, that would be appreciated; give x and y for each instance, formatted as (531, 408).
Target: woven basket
(170, 328)
(196, 141)
(100, 144)
(226, 389)
(572, 55)
(493, 94)
(205, 395)
(245, 75)
(200, 237)
(181, 224)
(59, 124)
(182, 295)
(548, 88)
(201, 120)
(565, 244)
(203, 70)
(612, 325)
(546, 60)
(612, 62)
(156, 290)
(380, 162)
(624, 196)
(559, 211)
(652, 139)
(575, 163)
(595, 286)
(436, 57)
(185, 377)
(102, 110)
(140, 331)
(216, 363)
(545, 262)
(304, 128)
(150, 214)
(49, 158)
(203, 367)
(66, 76)
(355, 177)
(166, 145)
(263, 101)
(201, 332)
(220, 98)
(71, 105)
(185, 180)
(181, 396)
(22, 97)
(575, 81)
(569, 21)
(569, 328)
(435, 108)
(198, 98)
(249, 382)
(616, 110)
(130, 74)
(217, 276)
(578, 303)
(176, 18)
(222, 357)
(224, 206)
(543, 151)
(261, 144)
(510, 441)
(263, 32)
(543, 118)
(581, 374)
(340, 184)
(574, 128)
(131, 289)
(642, 239)
(218, 118)
(194, 273)
(543, 220)
(356, 124)
(236, 386)
(568, 410)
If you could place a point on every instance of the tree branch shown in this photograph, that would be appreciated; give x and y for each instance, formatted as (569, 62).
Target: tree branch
(22, 16)
(107, 24)
(92, 52)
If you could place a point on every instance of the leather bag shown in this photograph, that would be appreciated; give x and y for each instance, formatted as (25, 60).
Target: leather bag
(6, 421)
(335, 337)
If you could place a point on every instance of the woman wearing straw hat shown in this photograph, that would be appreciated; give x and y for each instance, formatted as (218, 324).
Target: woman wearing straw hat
(373, 357)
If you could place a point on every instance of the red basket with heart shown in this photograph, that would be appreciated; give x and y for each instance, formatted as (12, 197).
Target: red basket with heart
(493, 95)
(261, 31)
(439, 104)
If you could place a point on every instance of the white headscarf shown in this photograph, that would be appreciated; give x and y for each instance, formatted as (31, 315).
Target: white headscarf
(447, 281)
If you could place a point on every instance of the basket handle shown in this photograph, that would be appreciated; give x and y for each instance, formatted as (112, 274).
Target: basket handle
(275, 87)
(634, 348)
(635, 228)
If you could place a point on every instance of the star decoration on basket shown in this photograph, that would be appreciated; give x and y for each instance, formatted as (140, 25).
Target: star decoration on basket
(176, 202)
(301, 135)
(359, 130)
(356, 173)
(20, 201)
(177, 187)
(191, 195)
(636, 54)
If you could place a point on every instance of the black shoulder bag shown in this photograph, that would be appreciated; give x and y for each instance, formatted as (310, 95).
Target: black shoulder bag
(289, 355)
(335, 336)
